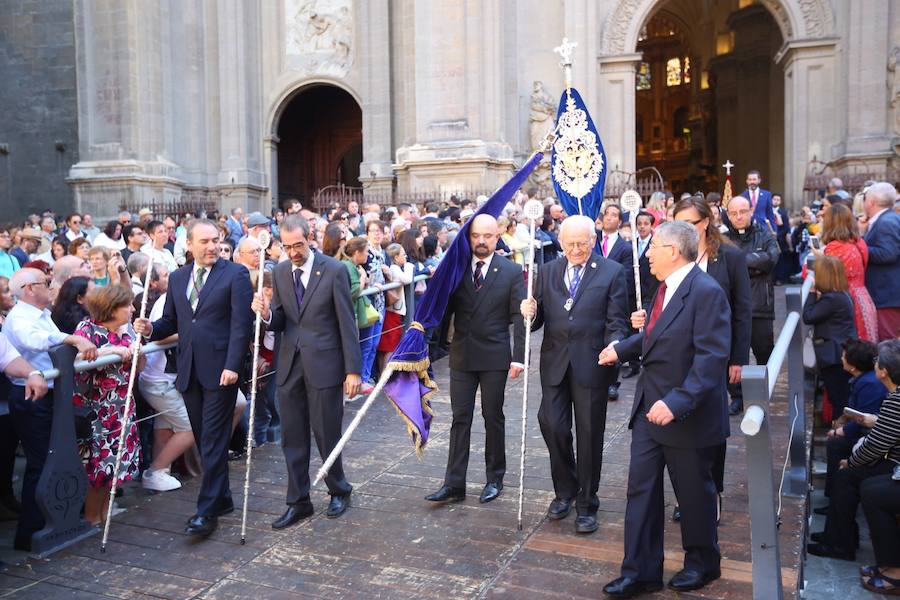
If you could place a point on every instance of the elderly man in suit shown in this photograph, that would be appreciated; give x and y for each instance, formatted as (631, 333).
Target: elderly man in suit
(318, 362)
(484, 305)
(581, 301)
(883, 272)
(678, 416)
(208, 306)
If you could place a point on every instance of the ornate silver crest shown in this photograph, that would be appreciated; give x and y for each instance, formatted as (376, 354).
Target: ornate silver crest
(578, 160)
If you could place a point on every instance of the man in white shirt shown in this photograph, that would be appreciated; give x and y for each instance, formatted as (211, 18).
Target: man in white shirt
(156, 246)
(73, 227)
(31, 331)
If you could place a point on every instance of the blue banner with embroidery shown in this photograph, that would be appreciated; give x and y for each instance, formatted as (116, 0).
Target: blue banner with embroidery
(578, 161)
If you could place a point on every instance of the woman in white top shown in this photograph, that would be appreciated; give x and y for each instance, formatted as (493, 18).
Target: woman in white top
(111, 237)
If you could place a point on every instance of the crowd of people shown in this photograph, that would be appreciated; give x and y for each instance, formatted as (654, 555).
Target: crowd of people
(708, 272)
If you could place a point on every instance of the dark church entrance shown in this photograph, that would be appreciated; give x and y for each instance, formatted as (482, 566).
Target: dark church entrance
(708, 89)
(320, 133)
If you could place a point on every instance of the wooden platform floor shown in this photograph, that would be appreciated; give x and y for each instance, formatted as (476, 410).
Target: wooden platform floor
(393, 544)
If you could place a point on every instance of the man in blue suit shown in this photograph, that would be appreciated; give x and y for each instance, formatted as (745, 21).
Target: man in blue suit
(678, 417)
(208, 306)
(235, 226)
(883, 272)
(761, 203)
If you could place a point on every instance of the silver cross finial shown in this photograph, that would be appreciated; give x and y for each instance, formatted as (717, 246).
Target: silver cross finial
(565, 51)
(728, 165)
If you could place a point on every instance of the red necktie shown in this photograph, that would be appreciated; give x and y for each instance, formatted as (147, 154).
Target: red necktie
(657, 308)
(753, 200)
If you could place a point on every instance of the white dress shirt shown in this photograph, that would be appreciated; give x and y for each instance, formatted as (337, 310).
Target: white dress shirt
(674, 280)
(875, 218)
(484, 267)
(611, 241)
(32, 333)
(190, 285)
(8, 352)
(643, 243)
(305, 269)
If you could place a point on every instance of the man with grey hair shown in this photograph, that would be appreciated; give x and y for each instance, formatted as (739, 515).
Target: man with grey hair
(32, 332)
(581, 301)
(137, 269)
(882, 235)
(678, 417)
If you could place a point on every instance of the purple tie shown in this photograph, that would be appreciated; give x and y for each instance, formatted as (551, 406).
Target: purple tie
(299, 290)
(605, 243)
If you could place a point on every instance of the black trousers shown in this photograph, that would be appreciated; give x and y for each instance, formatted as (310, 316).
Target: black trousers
(8, 442)
(836, 450)
(304, 408)
(690, 472)
(32, 421)
(837, 383)
(841, 530)
(881, 503)
(210, 413)
(762, 338)
(463, 385)
(570, 479)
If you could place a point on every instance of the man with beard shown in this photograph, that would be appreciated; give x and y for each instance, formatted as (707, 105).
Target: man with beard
(581, 301)
(484, 304)
(318, 361)
(208, 306)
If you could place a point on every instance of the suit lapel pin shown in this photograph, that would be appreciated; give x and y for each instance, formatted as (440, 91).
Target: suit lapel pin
(593, 265)
(495, 269)
(318, 273)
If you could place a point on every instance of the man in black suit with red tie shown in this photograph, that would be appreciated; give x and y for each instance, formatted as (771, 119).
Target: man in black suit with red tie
(581, 301)
(483, 305)
(678, 414)
(208, 306)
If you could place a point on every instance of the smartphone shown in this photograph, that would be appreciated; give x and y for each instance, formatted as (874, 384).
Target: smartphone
(815, 242)
(853, 413)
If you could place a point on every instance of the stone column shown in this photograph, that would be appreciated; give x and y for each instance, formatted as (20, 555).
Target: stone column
(454, 139)
(809, 106)
(614, 116)
(376, 171)
(270, 150)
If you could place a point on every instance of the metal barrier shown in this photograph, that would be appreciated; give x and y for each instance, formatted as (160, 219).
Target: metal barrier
(758, 385)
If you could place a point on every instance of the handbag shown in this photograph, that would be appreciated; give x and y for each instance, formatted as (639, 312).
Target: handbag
(393, 296)
(366, 314)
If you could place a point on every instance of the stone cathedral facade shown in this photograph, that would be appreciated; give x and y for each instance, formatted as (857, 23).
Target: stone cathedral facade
(248, 102)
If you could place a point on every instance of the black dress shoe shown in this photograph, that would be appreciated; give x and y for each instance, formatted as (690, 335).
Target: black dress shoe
(338, 506)
(201, 526)
(586, 524)
(626, 587)
(448, 494)
(676, 514)
(686, 580)
(490, 491)
(736, 407)
(613, 392)
(559, 509)
(293, 514)
(827, 551)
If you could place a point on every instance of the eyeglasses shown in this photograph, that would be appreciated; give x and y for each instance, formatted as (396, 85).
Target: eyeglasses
(253, 251)
(655, 245)
(298, 246)
(38, 283)
(576, 245)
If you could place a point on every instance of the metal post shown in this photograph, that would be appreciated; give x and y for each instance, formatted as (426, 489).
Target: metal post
(761, 489)
(409, 291)
(797, 477)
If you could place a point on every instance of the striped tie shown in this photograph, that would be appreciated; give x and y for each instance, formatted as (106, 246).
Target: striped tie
(196, 286)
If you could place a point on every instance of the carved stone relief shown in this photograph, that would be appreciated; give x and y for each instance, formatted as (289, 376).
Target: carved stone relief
(319, 36)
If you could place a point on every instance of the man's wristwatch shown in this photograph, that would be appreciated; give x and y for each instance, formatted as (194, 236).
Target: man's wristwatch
(37, 372)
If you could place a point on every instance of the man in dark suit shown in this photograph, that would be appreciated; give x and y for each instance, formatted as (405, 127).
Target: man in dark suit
(615, 248)
(883, 272)
(761, 203)
(484, 304)
(581, 301)
(208, 306)
(318, 362)
(677, 416)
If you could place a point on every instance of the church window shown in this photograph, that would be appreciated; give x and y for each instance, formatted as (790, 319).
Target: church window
(673, 72)
(642, 81)
(686, 71)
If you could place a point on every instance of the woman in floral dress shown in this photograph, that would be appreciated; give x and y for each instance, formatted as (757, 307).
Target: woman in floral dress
(840, 234)
(103, 392)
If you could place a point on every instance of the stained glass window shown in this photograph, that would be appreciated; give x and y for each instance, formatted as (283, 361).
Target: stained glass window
(642, 81)
(673, 72)
(686, 77)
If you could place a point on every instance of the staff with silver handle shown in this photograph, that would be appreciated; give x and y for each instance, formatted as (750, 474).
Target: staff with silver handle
(129, 398)
(534, 210)
(264, 240)
(631, 201)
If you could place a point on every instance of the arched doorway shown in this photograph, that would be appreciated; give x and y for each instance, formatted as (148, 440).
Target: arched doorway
(319, 142)
(708, 89)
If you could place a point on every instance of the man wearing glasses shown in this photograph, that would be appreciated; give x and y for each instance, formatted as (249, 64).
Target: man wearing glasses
(73, 227)
(760, 247)
(581, 300)
(33, 333)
